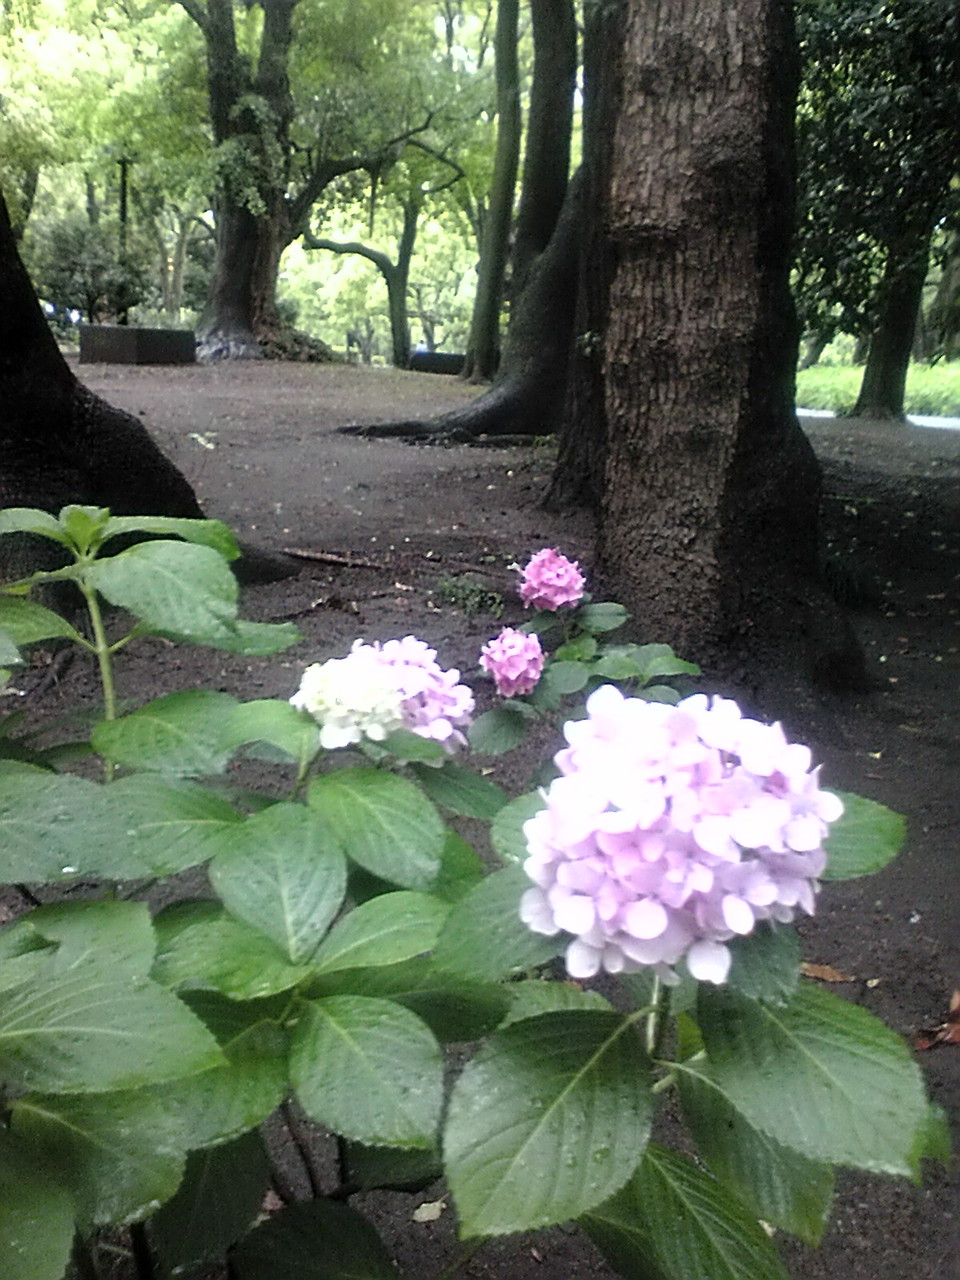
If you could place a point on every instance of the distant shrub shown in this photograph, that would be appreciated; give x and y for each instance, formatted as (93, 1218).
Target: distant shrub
(931, 389)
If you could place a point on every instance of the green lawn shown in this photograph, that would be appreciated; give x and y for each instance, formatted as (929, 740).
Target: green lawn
(931, 389)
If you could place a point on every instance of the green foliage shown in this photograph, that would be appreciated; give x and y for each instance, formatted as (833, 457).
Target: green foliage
(344, 935)
(932, 390)
(877, 146)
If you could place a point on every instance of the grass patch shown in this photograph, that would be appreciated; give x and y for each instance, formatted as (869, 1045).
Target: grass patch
(931, 389)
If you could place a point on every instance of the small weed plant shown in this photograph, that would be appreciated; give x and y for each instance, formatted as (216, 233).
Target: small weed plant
(346, 934)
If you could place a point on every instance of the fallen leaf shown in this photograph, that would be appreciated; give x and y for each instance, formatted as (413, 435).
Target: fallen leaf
(825, 973)
(429, 1211)
(947, 1032)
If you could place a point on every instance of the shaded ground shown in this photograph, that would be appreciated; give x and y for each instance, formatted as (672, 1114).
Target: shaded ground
(410, 539)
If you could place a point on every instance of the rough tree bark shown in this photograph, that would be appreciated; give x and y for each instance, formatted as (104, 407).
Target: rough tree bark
(483, 346)
(709, 516)
(546, 161)
(60, 444)
(884, 380)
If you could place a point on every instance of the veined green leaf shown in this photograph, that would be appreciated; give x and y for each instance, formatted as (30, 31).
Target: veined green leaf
(179, 733)
(819, 1075)
(864, 838)
(36, 1216)
(385, 824)
(285, 874)
(207, 533)
(119, 1154)
(547, 1121)
(384, 930)
(672, 1221)
(368, 1069)
(27, 622)
(314, 1240)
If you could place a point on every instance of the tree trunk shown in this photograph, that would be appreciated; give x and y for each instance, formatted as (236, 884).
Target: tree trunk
(891, 344)
(709, 521)
(483, 347)
(578, 478)
(61, 444)
(943, 320)
(527, 396)
(546, 162)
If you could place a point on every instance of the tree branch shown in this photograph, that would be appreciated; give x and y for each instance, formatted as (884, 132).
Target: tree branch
(379, 260)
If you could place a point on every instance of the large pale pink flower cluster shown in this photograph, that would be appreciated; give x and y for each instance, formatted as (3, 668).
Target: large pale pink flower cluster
(515, 660)
(671, 831)
(550, 580)
(378, 688)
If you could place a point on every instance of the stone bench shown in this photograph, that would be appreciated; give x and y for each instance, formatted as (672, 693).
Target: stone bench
(124, 344)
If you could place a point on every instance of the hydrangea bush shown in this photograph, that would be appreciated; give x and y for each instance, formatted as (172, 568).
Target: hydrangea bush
(347, 933)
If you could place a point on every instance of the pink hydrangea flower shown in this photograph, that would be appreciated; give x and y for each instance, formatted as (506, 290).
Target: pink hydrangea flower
(515, 660)
(671, 831)
(550, 580)
(378, 688)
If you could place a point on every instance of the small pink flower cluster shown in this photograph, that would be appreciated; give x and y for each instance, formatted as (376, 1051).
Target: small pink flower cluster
(671, 831)
(378, 688)
(515, 660)
(551, 580)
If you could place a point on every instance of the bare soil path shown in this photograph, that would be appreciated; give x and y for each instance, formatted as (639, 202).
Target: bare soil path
(407, 538)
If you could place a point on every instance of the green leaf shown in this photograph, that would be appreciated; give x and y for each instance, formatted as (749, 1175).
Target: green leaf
(461, 790)
(175, 588)
(278, 723)
(580, 649)
(606, 616)
(392, 927)
(780, 1186)
(565, 677)
(371, 1168)
(455, 1010)
(506, 831)
(934, 1139)
(27, 622)
(284, 874)
(484, 938)
(407, 745)
(497, 730)
(9, 656)
(86, 1029)
(57, 827)
(384, 823)
(218, 1200)
(819, 1075)
(674, 1222)
(106, 934)
(617, 667)
(253, 638)
(200, 946)
(535, 996)
(547, 1121)
(315, 1240)
(863, 839)
(180, 733)
(119, 1154)
(219, 1104)
(460, 869)
(658, 661)
(207, 533)
(32, 520)
(368, 1069)
(36, 1216)
(170, 825)
(766, 963)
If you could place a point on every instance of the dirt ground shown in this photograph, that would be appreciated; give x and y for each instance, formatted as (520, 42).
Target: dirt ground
(398, 539)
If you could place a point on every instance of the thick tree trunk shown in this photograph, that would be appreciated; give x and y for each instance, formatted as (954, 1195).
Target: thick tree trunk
(483, 346)
(241, 307)
(527, 397)
(578, 478)
(546, 161)
(60, 444)
(891, 344)
(709, 521)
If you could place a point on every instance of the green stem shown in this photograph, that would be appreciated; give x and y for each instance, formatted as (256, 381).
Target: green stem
(101, 648)
(658, 1018)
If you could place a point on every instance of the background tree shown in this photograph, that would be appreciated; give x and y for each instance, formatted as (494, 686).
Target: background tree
(61, 444)
(879, 135)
